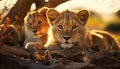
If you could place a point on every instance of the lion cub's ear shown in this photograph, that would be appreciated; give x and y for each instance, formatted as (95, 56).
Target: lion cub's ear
(83, 15)
(52, 14)
(43, 11)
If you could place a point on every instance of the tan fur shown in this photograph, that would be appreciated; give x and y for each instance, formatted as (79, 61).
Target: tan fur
(69, 31)
(104, 40)
(36, 27)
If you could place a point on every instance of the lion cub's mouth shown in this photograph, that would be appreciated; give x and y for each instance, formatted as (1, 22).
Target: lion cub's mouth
(66, 45)
(38, 35)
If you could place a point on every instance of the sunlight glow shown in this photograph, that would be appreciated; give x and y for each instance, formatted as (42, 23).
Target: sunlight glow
(50, 37)
(5, 6)
(99, 35)
(33, 7)
(7, 3)
(100, 6)
(46, 0)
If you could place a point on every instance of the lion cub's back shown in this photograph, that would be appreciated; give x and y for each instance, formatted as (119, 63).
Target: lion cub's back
(105, 39)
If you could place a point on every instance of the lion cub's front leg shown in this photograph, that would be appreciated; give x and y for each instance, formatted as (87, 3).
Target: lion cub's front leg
(33, 46)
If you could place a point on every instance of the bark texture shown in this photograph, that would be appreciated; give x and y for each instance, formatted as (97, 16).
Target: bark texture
(20, 9)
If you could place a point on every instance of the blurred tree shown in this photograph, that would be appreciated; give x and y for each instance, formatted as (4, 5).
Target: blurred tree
(115, 25)
(20, 9)
(118, 13)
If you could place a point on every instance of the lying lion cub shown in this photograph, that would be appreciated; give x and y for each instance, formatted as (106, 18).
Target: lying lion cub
(36, 27)
(68, 30)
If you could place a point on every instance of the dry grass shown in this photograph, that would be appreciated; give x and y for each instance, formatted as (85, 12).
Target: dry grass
(95, 22)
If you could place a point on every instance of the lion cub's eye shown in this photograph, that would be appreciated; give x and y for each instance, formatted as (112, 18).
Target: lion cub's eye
(30, 23)
(39, 23)
(60, 27)
(74, 27)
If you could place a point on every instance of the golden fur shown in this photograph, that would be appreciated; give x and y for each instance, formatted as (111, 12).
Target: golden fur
(36, 27)
(104, 40)
(69, 31)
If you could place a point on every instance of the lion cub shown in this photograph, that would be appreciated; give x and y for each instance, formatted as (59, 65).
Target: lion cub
(36, 27)
(69, 31)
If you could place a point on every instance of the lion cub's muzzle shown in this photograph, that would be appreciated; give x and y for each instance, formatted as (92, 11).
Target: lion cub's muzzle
(66, 39)
(66, 44)
(35, 30)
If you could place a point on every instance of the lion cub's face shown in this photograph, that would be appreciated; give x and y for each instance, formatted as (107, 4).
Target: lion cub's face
(68, 27)
(36, 23)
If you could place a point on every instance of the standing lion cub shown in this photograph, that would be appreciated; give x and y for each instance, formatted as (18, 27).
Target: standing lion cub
(68, 30)
(36, 27)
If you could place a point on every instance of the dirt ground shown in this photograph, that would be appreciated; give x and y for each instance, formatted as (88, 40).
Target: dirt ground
(88, 60)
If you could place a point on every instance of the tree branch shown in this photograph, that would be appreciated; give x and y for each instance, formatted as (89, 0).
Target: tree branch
(54, 3)
(14, 50)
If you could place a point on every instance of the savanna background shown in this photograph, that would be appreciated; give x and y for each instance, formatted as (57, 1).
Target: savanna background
(104, 14)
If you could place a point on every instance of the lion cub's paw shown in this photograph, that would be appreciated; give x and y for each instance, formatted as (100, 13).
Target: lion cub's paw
(33, 46)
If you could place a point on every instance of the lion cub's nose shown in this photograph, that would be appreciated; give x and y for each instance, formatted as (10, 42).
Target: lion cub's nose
(66, 38)
(34, 31)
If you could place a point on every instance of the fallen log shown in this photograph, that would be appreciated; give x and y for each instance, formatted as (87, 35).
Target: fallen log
(14, 50)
